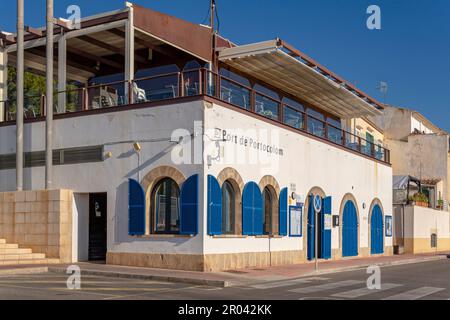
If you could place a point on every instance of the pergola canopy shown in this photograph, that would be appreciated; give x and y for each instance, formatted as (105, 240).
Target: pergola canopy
(296, 74)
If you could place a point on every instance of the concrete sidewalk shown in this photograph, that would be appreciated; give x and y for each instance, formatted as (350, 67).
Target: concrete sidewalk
(230, 278)
(248, 276)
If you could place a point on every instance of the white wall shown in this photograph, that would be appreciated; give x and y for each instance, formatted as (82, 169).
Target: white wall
(422, 222)
(117, 131)
(416, 124)
(80, 244)
(307, 163)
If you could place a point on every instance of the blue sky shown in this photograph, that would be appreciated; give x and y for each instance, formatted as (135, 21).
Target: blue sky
(411, 52)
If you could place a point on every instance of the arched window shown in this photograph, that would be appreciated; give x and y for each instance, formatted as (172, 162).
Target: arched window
(228, 208)
(268, 211)
(166, 207)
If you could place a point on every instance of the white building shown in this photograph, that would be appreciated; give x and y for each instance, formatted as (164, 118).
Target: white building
(184, 175)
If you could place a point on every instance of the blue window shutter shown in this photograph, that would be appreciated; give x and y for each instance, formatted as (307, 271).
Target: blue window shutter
(326, 234)
(258, 226)
(327, 205)
(252, 210)
(283, 213)
(214, 207)
(136, 209)
(247, 210)
(189, 206)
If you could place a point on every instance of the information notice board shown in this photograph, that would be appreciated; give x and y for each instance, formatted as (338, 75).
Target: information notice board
(295, 219)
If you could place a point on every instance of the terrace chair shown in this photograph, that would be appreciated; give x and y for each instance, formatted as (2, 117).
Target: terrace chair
(11, 115)
(139, 95)
(29, 113)
(226, 94)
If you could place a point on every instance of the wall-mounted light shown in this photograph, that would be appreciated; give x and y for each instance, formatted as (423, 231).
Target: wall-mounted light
(108, 155)
(137, 147)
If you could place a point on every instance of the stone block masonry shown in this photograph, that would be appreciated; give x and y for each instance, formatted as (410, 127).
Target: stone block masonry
(40, 220)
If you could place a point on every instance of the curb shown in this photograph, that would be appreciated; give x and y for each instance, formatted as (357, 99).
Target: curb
(124, 275)
(379, 264)
(244, 281)
(23, 271)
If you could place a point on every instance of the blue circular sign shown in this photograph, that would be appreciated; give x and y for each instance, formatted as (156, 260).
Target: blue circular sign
(317, 203)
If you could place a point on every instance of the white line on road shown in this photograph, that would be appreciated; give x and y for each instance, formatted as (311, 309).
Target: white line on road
(328, 286)
(352, 294)
(287, 283)
(415, 294)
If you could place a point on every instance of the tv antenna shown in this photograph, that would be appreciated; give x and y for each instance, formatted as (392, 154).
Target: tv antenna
(383, 87)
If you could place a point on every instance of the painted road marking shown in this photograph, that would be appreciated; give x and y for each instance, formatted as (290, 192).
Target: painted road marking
(327, 286)
(287, 283)
(352, 294)
(415, 294)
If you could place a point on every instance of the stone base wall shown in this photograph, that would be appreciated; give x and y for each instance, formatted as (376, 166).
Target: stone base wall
(207, 263)
(219, 262)
(423, 245)
(39, 220)
(362, 253)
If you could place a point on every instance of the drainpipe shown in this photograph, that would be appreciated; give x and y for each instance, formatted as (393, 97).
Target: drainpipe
(20, 94)
(212, 66)
(49, 100)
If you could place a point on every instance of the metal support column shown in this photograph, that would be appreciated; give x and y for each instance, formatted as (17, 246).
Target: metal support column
(4, 81)
(129, 55)
(62, 73)
(20, 95)
(49, 99)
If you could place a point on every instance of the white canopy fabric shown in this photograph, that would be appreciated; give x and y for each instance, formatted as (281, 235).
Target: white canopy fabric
(402, 182)
(269, 62)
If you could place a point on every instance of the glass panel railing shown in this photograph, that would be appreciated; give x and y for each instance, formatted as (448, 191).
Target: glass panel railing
(74, 100)
(316, 127)
(10, 111)
(380, 153)
(32, 107)
(334, 134)
(293, 118)
(192, 83)
(156, 88)
(106, 95)
(352, 141)
(266, 107)
(234, 93)
(210, 83)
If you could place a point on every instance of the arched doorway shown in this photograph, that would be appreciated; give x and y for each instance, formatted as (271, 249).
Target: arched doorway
(376, 231)
(349, 230)
(311, 226)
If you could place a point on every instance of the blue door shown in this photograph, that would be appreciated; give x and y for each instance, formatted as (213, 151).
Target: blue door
(376, 231)
(310, 229)
(349, 230)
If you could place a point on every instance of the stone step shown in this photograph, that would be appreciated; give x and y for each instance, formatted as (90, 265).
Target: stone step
(9, 246)
(53, 261)
(22, 256)
(15, 251)
(11, 262)
(2, 241)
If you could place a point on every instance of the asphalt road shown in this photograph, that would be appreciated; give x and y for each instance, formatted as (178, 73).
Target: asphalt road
(422, 281)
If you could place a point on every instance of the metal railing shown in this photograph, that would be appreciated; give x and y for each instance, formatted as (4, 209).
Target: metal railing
(196, 82)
